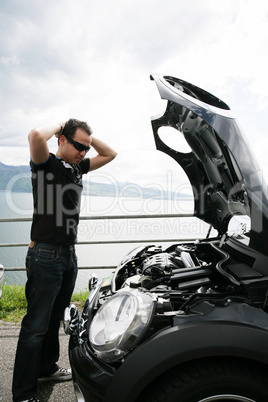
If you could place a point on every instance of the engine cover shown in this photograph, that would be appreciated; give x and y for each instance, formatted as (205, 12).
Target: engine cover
(159, 265)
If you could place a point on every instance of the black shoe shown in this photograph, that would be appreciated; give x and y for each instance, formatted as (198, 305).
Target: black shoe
(31, 400)
(61, 374)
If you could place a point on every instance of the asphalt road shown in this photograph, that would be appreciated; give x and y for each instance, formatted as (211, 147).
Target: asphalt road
(49, 391)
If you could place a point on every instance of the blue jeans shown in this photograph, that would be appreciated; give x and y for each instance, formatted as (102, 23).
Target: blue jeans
(51, 276)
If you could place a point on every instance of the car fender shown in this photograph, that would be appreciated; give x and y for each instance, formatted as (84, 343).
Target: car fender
(180, 344)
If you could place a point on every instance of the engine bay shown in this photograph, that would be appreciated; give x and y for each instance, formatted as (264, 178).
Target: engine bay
(184, 273)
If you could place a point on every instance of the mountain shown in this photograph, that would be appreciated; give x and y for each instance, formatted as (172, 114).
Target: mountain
(18, 179)
(15, 178)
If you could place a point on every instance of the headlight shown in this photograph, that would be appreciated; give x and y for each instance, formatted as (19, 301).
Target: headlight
(120, 323)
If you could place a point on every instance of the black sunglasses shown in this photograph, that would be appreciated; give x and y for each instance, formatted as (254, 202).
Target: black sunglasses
(80, 147)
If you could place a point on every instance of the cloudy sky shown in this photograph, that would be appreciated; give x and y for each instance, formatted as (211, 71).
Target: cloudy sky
(92, 60)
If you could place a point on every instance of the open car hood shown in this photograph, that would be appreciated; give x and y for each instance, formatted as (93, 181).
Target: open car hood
(225, 177)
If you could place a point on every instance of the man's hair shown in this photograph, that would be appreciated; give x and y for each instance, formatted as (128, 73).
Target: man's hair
(72, 125)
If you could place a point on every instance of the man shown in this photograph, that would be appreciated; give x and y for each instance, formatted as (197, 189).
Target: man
(51, 261)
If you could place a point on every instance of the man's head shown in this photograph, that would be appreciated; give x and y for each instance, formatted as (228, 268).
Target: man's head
(75, 135)
(72, 125)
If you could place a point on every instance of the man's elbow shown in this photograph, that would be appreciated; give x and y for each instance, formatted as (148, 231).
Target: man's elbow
(113, 155)
(33, 135)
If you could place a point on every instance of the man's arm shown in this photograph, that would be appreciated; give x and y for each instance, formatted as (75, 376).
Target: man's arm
(38, 138)
(105, 153)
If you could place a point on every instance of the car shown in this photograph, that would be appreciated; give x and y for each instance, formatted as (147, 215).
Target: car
(1, 278)
(188, 322)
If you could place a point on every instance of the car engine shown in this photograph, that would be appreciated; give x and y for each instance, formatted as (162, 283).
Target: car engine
(185, 273)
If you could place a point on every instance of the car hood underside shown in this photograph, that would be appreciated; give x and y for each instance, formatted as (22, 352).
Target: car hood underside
(225, 177)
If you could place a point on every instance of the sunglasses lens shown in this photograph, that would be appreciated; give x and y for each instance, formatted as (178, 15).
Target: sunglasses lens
(77, 145)
(83, 148)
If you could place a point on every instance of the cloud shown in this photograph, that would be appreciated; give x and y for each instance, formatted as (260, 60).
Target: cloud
(92, 60)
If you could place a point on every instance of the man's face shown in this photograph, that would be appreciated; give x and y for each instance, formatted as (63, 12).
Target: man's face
(69, 152)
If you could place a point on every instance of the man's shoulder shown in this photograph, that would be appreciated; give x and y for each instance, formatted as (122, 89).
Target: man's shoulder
(44, 165)
(85, 165)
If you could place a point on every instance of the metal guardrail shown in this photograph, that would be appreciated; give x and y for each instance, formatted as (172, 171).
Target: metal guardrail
(92, 242)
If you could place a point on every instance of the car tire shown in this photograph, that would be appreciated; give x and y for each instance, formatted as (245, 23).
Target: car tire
(210, 380)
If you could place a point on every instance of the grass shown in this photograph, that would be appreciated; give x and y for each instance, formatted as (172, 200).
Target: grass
(13, 303)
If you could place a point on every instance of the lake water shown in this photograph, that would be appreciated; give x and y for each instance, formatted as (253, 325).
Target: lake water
(98, 255)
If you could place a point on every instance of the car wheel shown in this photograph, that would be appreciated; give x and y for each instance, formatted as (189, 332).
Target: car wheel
(208, 381)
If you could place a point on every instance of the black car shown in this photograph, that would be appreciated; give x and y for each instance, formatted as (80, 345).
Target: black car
(190, 322)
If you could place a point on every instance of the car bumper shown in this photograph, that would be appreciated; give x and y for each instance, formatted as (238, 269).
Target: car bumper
(91, 377)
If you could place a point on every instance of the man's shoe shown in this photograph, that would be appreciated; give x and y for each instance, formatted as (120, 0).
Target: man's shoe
(31, 400)
(61, 374)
